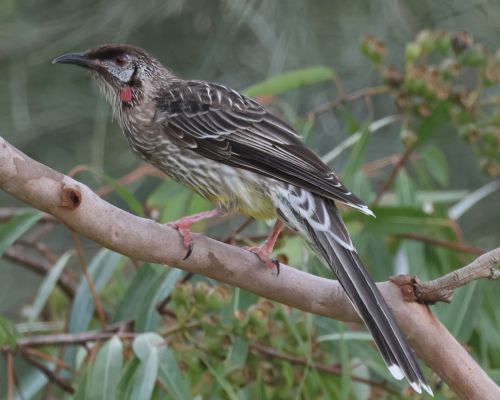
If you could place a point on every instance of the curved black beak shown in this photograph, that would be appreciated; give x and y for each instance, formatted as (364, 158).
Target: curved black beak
(80, 59)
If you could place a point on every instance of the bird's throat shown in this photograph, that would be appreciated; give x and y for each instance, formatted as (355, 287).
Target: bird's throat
(126, 94)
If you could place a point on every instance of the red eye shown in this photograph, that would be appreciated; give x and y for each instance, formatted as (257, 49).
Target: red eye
(121, 61)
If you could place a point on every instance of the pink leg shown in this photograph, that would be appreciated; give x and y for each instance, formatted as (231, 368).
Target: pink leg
(183, 226)
(265, 249)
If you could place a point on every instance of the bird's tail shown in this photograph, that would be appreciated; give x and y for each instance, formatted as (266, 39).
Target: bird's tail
(319, 221)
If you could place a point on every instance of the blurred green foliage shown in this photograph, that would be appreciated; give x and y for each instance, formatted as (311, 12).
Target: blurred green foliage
(174, 336)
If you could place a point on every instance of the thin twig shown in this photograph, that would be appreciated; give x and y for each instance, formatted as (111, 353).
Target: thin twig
(41, 267)
(345, 98)
(51, 376)
(239, 229)
(49, 358)
(95, 298)
(10, 375)
(370, 167)
(462, 247)
(394, 173)
(330, 369)
(60, 339)
(139, 172)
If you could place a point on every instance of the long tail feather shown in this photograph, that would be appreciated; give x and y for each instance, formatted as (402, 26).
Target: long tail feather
(319, 221)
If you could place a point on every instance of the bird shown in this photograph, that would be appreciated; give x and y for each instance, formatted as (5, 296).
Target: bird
(234, 152)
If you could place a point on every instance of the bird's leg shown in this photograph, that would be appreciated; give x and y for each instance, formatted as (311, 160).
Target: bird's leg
(265, 249)
(183, 226)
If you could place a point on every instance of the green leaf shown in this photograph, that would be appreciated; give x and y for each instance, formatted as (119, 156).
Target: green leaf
(146, 347)
(126, 380)
(441, 196)
(148, 318)
(100, 269)
(405, 190)
(223, 382)
(432, 123)
(360, 391)
(48, 286)
(435, 162)
(348, 335)
(459, 316)
(356, 157)
(346, 368)
(129, 306)
(394, 220)
(8, 333)
(163, 193)
(106, 371)
(290, 80)
(171, 376)
(133, 204)
(145, 343)
(237, 354)
(16, 227)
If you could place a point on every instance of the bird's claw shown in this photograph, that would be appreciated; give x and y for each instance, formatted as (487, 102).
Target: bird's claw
(189, 251)
(265, 258)
(187, 237)
(277, 264)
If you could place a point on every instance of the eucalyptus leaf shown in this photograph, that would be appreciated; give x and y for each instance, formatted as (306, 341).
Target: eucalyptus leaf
(15, 227)
(8, 333)
(170, 374)
(290, 80)
(147, 319)
(146, 347)
(436, 164)
(100, 269)
(106, 370)
(48, 286)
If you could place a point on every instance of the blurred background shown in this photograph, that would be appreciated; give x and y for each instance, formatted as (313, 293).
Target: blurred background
(55, 115)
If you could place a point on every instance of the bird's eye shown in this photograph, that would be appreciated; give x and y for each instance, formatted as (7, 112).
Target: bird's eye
(121, 61)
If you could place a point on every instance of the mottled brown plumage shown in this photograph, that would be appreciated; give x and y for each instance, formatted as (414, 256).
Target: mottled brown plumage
(231, 150)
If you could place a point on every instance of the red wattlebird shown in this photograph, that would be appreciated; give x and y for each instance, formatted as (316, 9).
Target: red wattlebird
(229, 149)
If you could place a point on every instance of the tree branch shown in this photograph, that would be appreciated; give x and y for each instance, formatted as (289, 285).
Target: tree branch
(143, 239)
(486, 266)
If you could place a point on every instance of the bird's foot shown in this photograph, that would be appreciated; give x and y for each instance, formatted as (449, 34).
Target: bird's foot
(265, 256)
(187, 238)
(183, 226)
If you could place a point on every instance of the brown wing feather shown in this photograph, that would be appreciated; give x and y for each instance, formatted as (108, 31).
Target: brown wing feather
(223, 125)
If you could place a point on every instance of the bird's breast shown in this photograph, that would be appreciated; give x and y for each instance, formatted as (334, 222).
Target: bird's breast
(233, 189)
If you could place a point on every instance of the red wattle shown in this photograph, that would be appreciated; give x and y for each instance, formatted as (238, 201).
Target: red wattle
(126, 94)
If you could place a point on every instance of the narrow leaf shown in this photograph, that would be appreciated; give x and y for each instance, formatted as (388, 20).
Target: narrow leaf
(356, 157)
(223, 382)
(8, 333)
(290, 80)
(138, 289)
(48, 286)
(435, 162)
(16, 227)
(171, 376)
(106, 371)
(133, 204)
(148, 318)
(237, 355)
(146, 347)
(100, 269)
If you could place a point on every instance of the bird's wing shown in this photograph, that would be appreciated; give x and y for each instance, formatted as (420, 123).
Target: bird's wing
(223, 125)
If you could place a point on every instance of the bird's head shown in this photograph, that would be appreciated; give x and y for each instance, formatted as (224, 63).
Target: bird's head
(125, 73)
